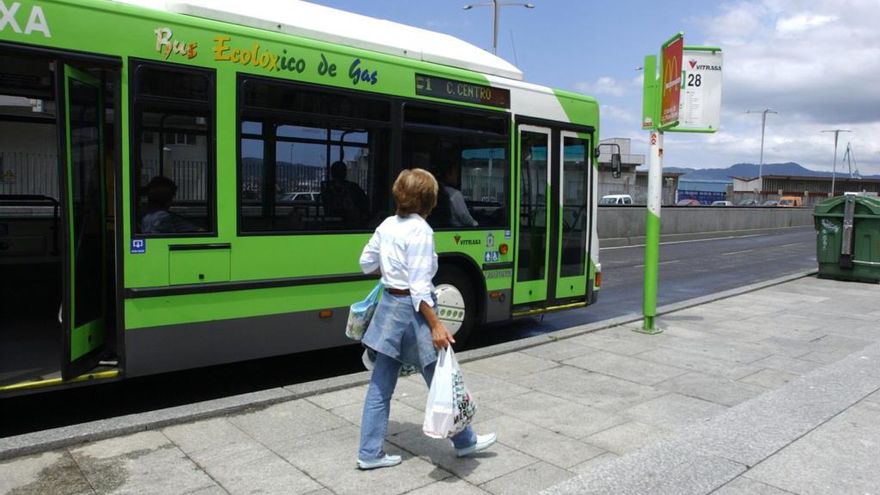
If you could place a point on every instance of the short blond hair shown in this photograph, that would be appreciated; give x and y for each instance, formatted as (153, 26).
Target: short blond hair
(415, 191)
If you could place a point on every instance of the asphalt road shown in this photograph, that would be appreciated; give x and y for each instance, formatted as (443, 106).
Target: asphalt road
(687, 269)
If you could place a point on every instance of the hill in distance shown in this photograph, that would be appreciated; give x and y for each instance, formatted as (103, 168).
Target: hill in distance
(749, 170)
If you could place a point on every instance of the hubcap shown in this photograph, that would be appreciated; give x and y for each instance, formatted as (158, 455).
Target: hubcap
(450, 307)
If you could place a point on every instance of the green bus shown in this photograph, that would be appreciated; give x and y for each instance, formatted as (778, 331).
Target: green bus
(189, 185)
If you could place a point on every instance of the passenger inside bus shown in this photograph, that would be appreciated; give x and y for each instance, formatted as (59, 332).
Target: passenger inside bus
(455, 208)
(344, 199)
(157, 217)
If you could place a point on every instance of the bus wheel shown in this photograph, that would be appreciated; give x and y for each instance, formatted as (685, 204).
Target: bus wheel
(456, 304)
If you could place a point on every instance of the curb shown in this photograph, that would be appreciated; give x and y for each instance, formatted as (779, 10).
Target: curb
(66, 436)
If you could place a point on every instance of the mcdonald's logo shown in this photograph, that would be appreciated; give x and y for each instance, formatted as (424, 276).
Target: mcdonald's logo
(671, 81)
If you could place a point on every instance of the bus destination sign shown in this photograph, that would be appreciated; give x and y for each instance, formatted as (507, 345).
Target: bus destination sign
(449, 89)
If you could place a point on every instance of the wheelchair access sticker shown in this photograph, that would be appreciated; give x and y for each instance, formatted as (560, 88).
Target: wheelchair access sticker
(138, 246)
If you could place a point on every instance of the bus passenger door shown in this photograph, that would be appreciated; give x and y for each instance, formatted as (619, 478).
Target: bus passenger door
(83, 309)
(574, 216)
(532, 235)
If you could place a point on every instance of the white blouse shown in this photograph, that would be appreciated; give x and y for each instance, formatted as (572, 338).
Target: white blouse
(403, 247)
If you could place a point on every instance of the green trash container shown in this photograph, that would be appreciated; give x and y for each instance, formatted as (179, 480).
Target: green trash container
(848, 238)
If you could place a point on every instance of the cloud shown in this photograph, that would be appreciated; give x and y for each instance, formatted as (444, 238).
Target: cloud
(603, 86)
(816, 62)
(802, 22)
(822, 65)
(619, 114)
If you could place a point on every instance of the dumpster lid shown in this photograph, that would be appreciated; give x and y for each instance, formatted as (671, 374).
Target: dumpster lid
(865, 205)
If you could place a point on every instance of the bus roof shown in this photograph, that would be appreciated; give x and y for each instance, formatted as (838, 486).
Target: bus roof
(309, 20)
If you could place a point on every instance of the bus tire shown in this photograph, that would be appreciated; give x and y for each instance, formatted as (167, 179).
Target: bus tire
(456, 303)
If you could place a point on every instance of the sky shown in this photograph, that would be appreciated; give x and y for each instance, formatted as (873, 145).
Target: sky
(815, 62)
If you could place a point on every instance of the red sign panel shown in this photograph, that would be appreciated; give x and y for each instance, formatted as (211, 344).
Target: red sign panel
(671, 90)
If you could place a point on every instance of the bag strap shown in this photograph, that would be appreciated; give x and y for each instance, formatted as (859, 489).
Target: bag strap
(374, 294)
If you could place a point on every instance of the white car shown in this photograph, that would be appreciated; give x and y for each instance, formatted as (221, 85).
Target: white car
(616, 199)
(721, 203)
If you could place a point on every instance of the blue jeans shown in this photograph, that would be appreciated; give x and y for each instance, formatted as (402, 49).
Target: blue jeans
(377, 406)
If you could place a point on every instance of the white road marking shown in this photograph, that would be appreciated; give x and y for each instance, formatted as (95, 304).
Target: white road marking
(737, 252)
(661, 263)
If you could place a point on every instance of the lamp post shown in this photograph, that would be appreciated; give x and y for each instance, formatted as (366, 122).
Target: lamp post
(834, 164)
(496, 15)
(763, 113)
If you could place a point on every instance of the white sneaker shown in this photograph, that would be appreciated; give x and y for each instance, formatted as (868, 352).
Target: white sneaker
(386, 461)
(483, 443)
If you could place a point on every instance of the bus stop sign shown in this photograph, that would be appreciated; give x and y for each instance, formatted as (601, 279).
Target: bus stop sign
(671, 58)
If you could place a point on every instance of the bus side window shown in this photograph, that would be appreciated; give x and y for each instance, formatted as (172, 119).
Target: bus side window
(311, 160)
(172, 151)
(467, 152)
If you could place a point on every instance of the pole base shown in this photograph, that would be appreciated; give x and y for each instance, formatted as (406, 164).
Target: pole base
(648, 328)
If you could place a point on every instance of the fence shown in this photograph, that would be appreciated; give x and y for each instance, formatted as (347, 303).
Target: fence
(29, 173)
(189, 175)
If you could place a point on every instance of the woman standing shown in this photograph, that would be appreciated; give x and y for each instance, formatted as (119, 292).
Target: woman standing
(404, 328)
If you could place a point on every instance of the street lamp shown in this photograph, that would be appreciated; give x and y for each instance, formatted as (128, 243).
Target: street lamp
(496, 15)
(763, 113)
(834, 165)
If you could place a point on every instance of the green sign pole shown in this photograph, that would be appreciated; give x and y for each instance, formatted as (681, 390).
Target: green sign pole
(656, 120)
(651, 121)
(652, 232)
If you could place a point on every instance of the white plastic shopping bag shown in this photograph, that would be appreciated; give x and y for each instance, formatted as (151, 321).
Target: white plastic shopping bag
(360, 314)
(450, 407)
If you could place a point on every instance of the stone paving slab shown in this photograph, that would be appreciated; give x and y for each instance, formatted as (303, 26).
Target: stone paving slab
(560, 415)
(693, 361)
(722, 391)
(50, 472)
(541, 443)
(143, 463)
(841, 456)
(767, 378)
(528, 480)
(481, 468)
(626, 367)
(591, 389)
(766, 431)
(746, 486)
(627, 437)
(448, 486)
(330, 457)
(252, 468)
(673, 411)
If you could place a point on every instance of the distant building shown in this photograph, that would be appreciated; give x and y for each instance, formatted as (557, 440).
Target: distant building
(631, 181)
(626, 183)
(703, 190)
(811, 188)
(671, 183)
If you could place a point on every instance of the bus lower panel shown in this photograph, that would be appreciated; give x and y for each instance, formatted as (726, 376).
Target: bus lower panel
(192, 345)
(498, 307)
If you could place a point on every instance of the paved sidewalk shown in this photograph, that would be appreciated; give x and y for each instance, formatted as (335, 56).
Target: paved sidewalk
(769, 392)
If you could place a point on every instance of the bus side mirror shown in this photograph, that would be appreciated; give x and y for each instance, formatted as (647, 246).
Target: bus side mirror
(615, 165)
